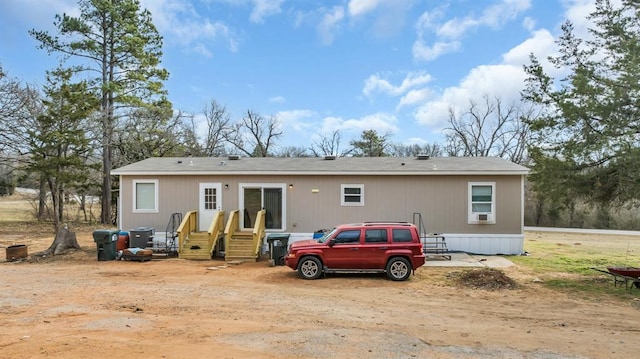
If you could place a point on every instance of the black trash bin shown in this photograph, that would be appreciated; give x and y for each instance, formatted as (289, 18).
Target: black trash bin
(278, 246)
(106, 241)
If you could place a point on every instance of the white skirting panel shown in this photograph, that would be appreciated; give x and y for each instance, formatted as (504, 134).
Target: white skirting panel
(508, 244)
(512, 244)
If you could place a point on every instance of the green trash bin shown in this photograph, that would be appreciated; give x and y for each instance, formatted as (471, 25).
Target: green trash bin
(106, 241)
(278, 246)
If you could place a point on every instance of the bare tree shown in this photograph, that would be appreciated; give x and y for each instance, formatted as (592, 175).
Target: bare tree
(212, 142)
(402, 150)
(146, 133)
(20, 106)
(489, 129)
(292, 151)
(254, 135)
(329, 145)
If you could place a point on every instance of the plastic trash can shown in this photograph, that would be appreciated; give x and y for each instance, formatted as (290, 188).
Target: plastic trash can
(123, 241)
(106, 241)
(278, 246)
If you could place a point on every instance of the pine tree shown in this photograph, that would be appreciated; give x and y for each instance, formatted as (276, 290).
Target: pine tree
(116, 40)
(59, 146)
(587, 144)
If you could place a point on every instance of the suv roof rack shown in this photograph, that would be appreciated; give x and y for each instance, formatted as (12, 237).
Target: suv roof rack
(375, 223)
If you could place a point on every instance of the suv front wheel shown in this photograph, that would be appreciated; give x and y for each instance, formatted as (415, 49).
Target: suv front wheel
(398, 269)
(309, 268)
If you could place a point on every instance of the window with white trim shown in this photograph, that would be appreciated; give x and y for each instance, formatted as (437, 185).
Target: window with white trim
(145, 196)
(352, 195)
(482, 202)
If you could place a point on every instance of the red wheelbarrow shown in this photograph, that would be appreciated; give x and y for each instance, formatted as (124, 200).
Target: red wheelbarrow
(630, 276)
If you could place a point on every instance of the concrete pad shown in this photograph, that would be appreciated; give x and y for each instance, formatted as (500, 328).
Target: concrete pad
(461, 259)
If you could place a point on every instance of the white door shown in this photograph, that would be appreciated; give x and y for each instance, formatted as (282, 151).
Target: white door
(210, 204)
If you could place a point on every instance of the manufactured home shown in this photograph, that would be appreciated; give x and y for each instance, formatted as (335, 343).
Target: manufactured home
(476, 203)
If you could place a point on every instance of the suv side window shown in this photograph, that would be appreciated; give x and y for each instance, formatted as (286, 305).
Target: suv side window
(350, 236)
(402, 235)
(375, 236)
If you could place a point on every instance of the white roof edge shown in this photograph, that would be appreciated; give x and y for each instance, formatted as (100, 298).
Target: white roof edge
(306, 173)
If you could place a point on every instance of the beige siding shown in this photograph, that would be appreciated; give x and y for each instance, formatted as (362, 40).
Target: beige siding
(442, 200)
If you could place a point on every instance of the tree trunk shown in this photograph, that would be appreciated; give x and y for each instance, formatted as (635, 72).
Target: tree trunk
(42, 199)
(65, 239)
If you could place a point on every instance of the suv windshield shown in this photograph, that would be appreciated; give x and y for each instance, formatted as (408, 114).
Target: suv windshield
(326, 236)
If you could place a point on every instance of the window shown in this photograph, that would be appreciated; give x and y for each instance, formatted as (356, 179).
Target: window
(482, 202)
(210, 199)
(352, 195)
(375, 235)
(145, 196)
(402, 235)
(352, 236)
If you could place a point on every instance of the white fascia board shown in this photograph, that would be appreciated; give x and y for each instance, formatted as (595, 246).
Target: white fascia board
(306, 173)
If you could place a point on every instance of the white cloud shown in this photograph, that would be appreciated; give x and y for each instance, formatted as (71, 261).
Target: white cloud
(502, 81)
(498, 14)
(449, 33)
(382, 123)
(428, 53)
(295, 119)
(577, 11)
(541, 44)
(277, 99)
(529, 23)
(180, 23)
(414, 97)
(264, 8)
(361, 7)
(330, 24)
(376, 84)
(41, 12)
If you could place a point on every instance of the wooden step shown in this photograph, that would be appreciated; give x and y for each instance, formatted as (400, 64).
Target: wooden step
(240, 248)
(196, 247)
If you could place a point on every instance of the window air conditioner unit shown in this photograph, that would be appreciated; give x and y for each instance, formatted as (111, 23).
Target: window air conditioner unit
(483, 217)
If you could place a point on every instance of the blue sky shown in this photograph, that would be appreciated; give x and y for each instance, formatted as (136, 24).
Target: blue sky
(395, 66)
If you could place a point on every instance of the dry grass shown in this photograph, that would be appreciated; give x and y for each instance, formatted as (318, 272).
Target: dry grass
(22, 207)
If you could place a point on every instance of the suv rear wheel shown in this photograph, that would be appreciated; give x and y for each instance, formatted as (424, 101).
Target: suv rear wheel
(398, 269)
(309, 268)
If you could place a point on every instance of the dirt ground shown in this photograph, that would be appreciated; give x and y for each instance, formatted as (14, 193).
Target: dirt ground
(77, 307)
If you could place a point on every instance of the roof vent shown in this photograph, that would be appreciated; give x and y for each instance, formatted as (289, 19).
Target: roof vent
(423, 157)
(329, 158)
(234, 157)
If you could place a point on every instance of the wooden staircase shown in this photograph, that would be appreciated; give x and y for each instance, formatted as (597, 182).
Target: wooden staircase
(196, 246)
(199, 245)
(243, 245)
(240, 247)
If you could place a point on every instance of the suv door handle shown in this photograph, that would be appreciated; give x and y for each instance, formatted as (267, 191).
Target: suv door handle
(354, 248)
(385, 247)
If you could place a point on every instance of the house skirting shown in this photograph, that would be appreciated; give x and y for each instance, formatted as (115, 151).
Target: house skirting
(489, 244)
(508, 244)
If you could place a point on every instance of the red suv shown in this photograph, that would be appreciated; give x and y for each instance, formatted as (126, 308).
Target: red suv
(370, 247)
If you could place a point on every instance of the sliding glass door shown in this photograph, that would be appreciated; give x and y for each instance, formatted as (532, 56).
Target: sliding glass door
(271, 197)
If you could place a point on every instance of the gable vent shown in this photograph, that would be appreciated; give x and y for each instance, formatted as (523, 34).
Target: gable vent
(423, 157)
(234, 157)
(329, 158)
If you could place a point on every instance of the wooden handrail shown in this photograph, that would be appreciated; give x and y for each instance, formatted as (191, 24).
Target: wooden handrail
(215, 230)
(258, 231)
(233, 223)
(188, 225)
